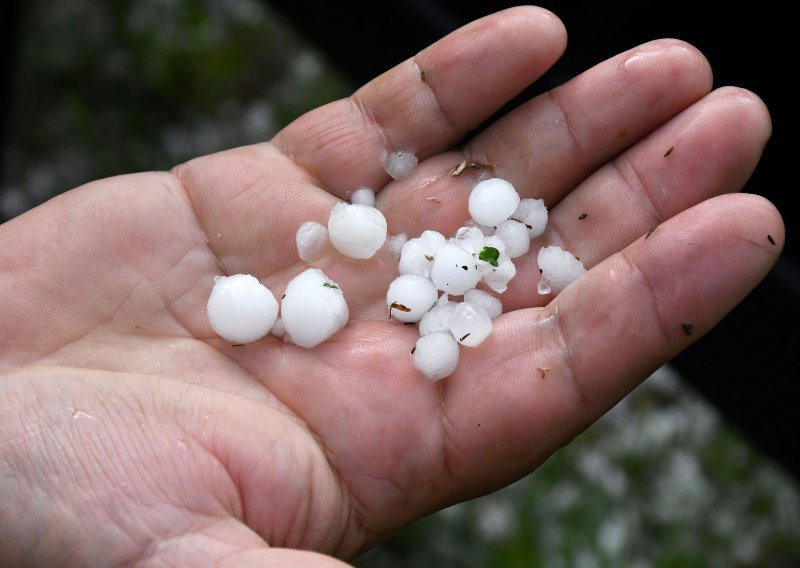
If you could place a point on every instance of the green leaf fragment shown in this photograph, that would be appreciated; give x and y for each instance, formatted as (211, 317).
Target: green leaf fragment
(490, 255)
(329, 285)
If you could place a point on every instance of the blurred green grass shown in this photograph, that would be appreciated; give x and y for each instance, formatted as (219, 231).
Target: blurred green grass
(107, 88)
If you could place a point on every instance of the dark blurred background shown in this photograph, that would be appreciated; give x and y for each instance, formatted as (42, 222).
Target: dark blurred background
(698, 468)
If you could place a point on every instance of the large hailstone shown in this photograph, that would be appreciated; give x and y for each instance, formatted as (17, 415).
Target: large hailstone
(492, 201)
(356, 230)
(240, 308)
(558, 267)
(313, 308)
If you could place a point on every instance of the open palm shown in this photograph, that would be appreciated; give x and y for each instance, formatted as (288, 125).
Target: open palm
(130, 433)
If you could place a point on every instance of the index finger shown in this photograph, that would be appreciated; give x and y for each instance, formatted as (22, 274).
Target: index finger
(427, 103)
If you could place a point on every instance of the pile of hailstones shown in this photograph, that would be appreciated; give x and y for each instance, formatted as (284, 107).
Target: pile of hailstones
(432, 271)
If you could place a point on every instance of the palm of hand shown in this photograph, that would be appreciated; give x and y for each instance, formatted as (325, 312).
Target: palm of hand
(161, 438)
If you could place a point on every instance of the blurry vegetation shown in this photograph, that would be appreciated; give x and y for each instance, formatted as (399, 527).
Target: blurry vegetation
(103, 88)
(112, 87)
(660, 481)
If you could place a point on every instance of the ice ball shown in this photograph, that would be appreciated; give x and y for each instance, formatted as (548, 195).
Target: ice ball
(399, 164)
(454, 270)
(356, 231)
(515, 236)
(436, 355)
(492, 201)
(558, 267)
(313, 308)
(410, 296)
(312, 241)
(470, 324)
(241, 309)
(533, 213)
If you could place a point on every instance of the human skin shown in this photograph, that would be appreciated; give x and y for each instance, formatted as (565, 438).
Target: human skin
(130, 434)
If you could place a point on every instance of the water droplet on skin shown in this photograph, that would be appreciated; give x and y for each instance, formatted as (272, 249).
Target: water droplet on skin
(81, 415)
(543, 287)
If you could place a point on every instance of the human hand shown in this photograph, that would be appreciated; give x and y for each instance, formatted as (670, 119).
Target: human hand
(130, 433)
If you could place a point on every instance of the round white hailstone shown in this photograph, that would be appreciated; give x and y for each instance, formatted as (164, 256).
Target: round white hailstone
(399, 164)
(356, 231)
(490, 304)
(410, 296)
(438, 318)
(470, 239)
(516, 237)
(497, 278)
(278, 330)
(363, 196)
(558, 267)
(240, 308)
(492, 201)
(436, 355)
(454, 270)
(417, 255)
(313, 308)
(470, 324)
(396, 243)
(533, 213)
(312, 241)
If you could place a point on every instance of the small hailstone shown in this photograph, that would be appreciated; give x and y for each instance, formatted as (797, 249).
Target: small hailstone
(490, 304)
(470, 239)
(497, 278)
(470, 324)
(492, 201)
(533, 213)
(313, 308)
(399, 164)
(436, 355)
(454, 270)
(438, 318)
(241, 309)
(363, 196)
(515, 236)
(558, 267)
(418, 254)
(396, 243)
(356, 231)
(312, 241)
(410, 296)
